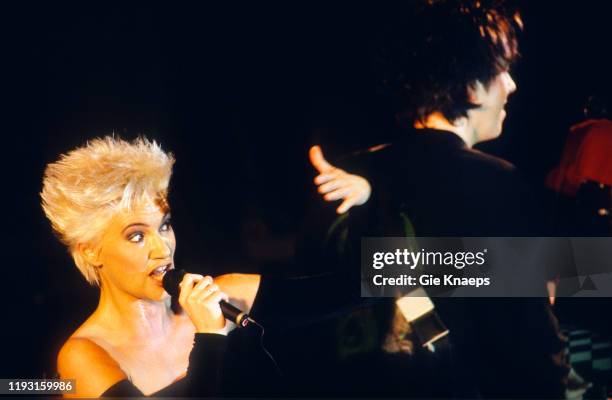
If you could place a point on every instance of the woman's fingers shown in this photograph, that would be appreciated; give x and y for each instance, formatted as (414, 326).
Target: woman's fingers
(208, 293)
(202, 291)
(200, 298)
(215, 297)
(187, 286)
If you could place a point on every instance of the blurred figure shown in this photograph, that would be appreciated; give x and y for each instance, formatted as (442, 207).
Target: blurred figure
(446, 71)
(582, 185)
(583, 178)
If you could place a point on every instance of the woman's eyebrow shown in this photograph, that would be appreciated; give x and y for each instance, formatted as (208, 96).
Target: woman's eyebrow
(165, 219)
(134, 224)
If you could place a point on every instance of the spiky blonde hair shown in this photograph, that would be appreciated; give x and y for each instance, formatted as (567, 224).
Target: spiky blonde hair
(89, 185)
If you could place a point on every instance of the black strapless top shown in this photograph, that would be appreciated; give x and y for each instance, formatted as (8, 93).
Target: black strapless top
(203, 374)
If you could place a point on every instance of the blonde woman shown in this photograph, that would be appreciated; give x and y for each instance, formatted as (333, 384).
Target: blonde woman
(107, 202)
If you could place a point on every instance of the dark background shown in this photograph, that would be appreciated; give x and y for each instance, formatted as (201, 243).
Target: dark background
(237, 93)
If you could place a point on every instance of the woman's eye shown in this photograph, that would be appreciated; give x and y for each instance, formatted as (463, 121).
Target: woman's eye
(136, 237)
(165, 227)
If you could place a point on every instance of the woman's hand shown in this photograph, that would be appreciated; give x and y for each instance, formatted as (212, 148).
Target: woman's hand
(337, 184)
(200, 299)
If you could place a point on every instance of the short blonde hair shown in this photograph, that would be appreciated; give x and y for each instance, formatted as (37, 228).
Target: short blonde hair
(89, 185)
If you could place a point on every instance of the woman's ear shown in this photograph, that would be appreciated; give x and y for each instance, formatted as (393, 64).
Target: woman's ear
(89, 253)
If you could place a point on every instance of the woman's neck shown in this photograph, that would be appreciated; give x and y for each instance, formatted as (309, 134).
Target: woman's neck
(136, 318)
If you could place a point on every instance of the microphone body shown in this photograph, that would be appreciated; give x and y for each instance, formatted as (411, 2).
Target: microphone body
(171, 282)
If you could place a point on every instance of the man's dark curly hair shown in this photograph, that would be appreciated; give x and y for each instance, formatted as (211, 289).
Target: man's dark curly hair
(426, 63)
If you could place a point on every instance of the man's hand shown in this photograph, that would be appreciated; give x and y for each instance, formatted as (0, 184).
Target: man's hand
(337, 184)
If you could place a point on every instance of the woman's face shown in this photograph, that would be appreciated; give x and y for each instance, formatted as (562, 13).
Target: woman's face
(135, 252)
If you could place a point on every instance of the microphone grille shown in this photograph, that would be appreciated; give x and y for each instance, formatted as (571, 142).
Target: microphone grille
(171, 281)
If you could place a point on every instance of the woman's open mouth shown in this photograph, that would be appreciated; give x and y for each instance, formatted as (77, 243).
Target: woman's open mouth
(159, 272)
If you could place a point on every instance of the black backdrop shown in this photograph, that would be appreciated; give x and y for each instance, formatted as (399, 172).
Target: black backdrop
(237, 92)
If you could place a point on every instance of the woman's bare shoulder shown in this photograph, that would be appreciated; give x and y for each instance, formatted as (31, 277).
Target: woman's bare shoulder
(94, 370)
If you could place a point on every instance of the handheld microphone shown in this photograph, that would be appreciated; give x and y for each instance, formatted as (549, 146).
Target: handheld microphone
(171, 282)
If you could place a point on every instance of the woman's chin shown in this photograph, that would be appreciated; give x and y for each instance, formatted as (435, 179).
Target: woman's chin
(156, 291)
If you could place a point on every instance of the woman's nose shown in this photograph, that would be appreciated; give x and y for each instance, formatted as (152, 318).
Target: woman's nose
(160, 247)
